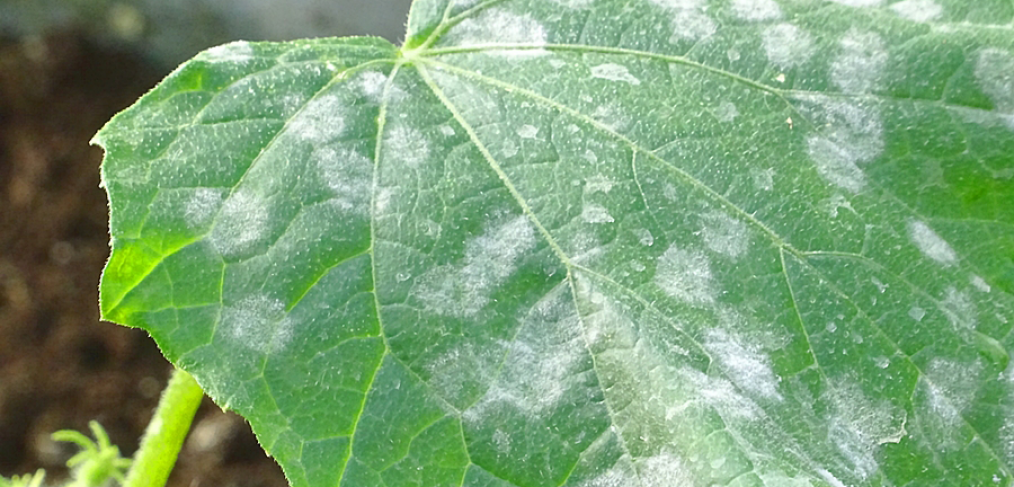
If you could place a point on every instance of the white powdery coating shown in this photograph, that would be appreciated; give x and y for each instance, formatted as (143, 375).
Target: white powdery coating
(614, 72)
(851, 134)
(406, 145)
(241, 225)
(786, 45)
(688, 19)
(233, 52)
(755, 10)
(980, 284)
(959, 309)
(593, 213)
(744, 363)
(321, 120)
(859, 425)
(613, 117)
(497, 26)
(489, 260)
(859, 3)
(952, 386)
(527, 131)
(202, 206)
(348, 174)
(686, 276)
(462, 365)
(724, 234)
(541, 364)
(645, 237)
(918, 10)
(253, 323)
(726, 112)
(829, 478)
(663, 470)
(598, 184)
(371, 84)
(764, 179)
(722, 396)
(994, 71)
(860, 65)
(930, 244)
(916, 313)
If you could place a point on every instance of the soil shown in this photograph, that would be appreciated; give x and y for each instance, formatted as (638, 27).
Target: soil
(60, 366)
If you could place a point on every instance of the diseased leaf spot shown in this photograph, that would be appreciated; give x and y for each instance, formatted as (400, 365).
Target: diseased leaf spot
(498, 26)
(744, 363)
(726, 112)
(614, 72)
(527, 131)
(233, 52)
(959, 309)
(994, 71)
(542, 364)
(860, 3)
(852, 134)
(688, 19)
(862, 60)
(489, 260)
(406, 146)
(787, 46)
(253, 323)
(321, 120)
(980, 284)
(686, 276)
(916, 313)
(859, 425)
(918, 10)
(756, 10)
(348, 174)
(724, 234)
(242, 224)
(598, 184)
(594, 213)
(203, 205)
(930, 244)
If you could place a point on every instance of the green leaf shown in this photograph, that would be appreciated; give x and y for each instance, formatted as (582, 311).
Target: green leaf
(587, 243)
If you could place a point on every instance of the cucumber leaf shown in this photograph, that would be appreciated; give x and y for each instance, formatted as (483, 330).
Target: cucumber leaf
(591, 243)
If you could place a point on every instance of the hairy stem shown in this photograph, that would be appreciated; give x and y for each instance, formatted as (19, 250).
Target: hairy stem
(166, 431)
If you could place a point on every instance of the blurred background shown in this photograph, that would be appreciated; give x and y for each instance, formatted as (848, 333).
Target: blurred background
(66, 66)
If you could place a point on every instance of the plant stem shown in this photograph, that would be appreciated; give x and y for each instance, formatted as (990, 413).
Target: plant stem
(165, 434)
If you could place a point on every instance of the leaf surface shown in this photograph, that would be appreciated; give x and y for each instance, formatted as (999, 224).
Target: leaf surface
(591, 243)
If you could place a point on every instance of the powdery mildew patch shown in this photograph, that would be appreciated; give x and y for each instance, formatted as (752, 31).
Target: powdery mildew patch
(851, 134)
(498, 26)
(527, 131)
(252, 323)
(614, 72)
(980, 284)
(321, 120)
(405, 145)
(595, 213)
(860, 3)
(348, 174)
(490, 259)
(689, 22)
(756, 10)
(233, 52)
(722, 396)
(726, 112)
(930, 244)
(918, 10)
(541, 364)
(686, 276)
(860, 63)
(744, 363)
(724, 234)
(994, 71)
(241, 225)
(786, 45)
(201, 206)
(663, 470)
(598, 184)
(859, 425)
(951, 386)
(959, 309)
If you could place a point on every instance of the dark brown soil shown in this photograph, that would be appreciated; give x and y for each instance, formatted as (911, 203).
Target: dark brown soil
(59, 365)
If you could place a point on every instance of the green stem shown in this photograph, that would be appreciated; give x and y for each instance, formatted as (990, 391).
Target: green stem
(166, 431)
